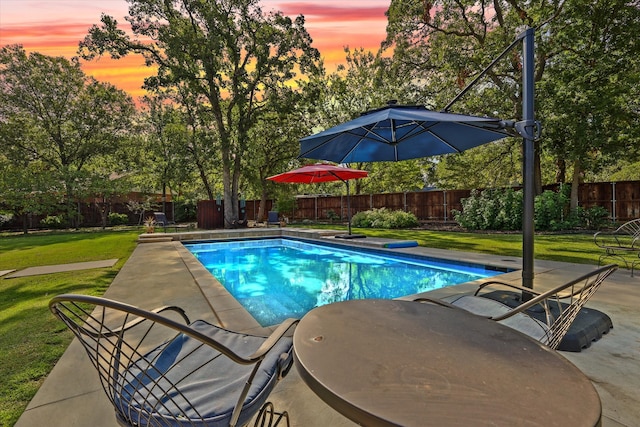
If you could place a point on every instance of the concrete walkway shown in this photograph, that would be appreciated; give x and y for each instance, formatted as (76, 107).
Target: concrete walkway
(166, 273)
(48, 269)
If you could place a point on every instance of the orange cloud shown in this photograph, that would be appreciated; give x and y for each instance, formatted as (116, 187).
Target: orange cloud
(56, 31)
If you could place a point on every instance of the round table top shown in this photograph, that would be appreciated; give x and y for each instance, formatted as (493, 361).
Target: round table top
(393, 362)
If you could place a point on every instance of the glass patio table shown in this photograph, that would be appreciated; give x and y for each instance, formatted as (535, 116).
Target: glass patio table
(394, 362)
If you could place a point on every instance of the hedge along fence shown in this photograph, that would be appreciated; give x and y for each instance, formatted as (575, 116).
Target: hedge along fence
(621, 199)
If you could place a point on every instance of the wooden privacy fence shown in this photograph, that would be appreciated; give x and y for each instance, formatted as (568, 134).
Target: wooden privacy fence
(621, 199)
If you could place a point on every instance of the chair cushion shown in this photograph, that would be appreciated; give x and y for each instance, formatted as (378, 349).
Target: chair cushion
(491, 308)
(148, 399)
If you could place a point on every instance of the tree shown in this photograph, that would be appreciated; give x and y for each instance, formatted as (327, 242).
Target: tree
(442, 45)
(274, 144)
(227, 55)
(586, 71)
(589, 97)
(166, 158)
(57, 119)
(26, 188)
(368, 81)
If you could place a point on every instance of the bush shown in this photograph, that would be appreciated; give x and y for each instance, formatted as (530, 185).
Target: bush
(593, 218)
(552, 211)
(332, 215)
(118, 219)
(53, 221)
(185, 211)
(497, 209)
(383, 218)
(5, 217)
(492, 209)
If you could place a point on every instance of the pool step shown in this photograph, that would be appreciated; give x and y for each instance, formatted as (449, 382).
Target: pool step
(268, 310)
(154, 238)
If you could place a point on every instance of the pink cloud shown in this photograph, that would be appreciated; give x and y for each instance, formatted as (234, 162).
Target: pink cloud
(317, 12)
(56, 27)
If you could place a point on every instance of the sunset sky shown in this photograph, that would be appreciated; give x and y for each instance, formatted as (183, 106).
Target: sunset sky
(54, 27)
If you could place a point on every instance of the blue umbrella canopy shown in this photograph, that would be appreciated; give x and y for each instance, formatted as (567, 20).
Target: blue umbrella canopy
(401, 132)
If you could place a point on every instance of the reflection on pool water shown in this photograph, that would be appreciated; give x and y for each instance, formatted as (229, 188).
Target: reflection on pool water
(279, 278)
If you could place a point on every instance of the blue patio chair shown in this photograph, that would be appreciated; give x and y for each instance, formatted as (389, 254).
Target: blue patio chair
(159, 369)
(273, 219)
(546, 317)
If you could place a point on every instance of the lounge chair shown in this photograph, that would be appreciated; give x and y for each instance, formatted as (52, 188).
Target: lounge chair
(159, 369)
(273, 219)
(624, 240)
(162, 221)
(546, 317)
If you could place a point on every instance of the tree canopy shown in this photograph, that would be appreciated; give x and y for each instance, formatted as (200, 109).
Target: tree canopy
(55, 121)
(586, 75)
(225, 56)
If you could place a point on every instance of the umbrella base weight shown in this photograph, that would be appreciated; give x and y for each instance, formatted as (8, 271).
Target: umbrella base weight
(350, 236)
(589, 326)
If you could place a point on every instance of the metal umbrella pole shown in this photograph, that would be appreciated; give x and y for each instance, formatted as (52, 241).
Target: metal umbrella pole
(528, 132)
(529, 129)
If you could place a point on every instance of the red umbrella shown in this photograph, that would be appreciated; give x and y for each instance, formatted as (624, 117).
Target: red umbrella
(323, 172)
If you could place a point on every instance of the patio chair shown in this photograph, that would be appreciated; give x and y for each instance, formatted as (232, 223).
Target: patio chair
(272, 218)
(546, 317)
(159, 369)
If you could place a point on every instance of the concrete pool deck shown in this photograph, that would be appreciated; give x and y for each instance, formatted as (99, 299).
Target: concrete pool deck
(164, 272)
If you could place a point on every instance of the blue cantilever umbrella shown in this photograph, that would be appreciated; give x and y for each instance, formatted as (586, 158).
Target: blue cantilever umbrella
(400, 132)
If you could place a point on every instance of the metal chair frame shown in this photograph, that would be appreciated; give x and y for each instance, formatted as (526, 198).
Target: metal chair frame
(118, 337)
(567, 300)
(622, 241)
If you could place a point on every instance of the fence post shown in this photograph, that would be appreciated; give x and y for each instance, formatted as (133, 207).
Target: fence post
(444, 199)
(613, 201)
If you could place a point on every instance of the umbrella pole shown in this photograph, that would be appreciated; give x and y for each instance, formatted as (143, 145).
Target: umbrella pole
(528, 162)
(348, 208)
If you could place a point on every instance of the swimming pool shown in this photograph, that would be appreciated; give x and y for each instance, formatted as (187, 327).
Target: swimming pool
(278, 278)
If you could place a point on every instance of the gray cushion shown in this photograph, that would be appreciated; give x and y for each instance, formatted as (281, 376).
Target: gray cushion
(212, 390)
(491, 308)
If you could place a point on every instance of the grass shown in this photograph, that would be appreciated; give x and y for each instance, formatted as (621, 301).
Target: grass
(575, 247)
(32, 340)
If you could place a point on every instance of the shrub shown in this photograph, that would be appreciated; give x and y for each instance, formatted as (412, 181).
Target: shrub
(384, 218)
(492, 209)
(332, 215)
(5, 217)
(53, 221)
(185, 211)
(118, 219)
(552, 211)
(497, 209)
(593, 218)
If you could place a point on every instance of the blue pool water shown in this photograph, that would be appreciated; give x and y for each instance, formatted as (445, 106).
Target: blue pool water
(279, 278)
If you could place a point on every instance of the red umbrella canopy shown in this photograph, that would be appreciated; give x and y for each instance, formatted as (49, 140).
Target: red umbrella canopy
(320, 172)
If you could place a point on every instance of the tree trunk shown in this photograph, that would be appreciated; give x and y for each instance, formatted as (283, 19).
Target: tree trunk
(25, 223)
(575, 182)
(561, 171)
(230, 182)
(263, 204)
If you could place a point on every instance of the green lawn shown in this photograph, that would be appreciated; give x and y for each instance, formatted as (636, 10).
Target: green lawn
(31, 340)
(577, 248)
